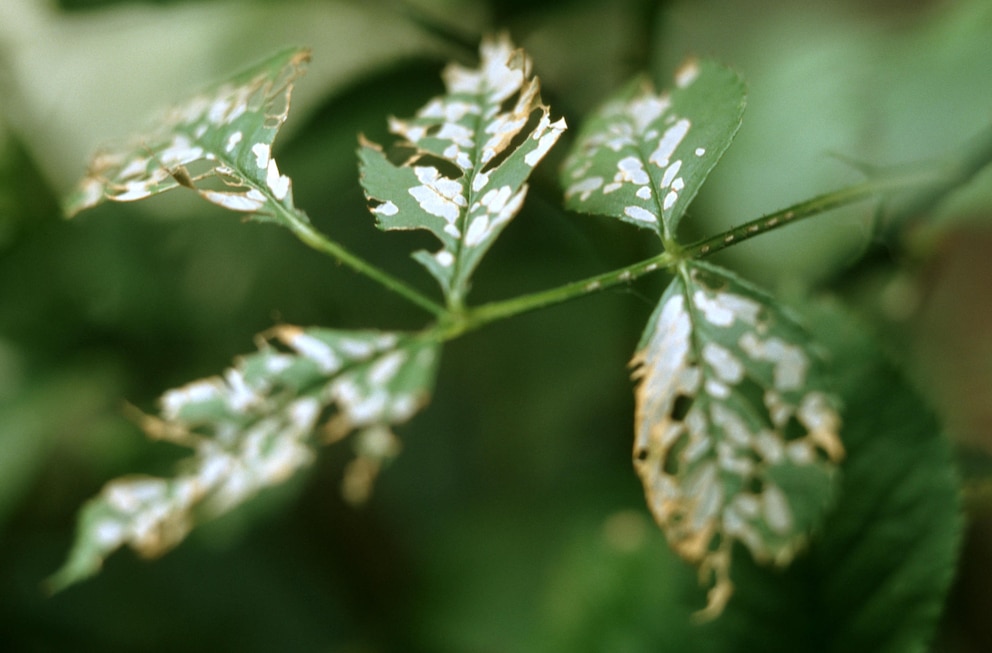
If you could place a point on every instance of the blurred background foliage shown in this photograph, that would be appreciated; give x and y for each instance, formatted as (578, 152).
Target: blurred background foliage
(513, 520)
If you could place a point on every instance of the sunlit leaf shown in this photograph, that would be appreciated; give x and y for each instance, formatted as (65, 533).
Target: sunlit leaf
(643, 156)
(737, 437)
(460, 165)
(218, 144)
(255, 427)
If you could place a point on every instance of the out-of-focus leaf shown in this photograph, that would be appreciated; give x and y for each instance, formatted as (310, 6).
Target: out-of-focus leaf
(223, 136)
(462, 162)
(604, 594)
(254, 427)
(643, 156)
(737, 436)
(74, 80)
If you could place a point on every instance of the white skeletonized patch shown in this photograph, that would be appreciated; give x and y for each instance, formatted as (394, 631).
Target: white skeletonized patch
(235, 201)
(313, 348)
(547, 134)
(641, 215)
(232, 141)
(459, 156)
(384, 369)
(669, 142)
(496, 79)
(687, 74)
(386, 208)
(196, 392)
(584, 188)
(277, 183)
(670, 173)
(644, 110)
(262, 152)
(629, 170)
(439, 196)
(790, 361)
(480, 181)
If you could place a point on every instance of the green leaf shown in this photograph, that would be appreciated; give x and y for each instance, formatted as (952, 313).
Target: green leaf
(877, 573)
(254, 427)
(643, 156)
(737, 437)
(461, 163)
(218, 144)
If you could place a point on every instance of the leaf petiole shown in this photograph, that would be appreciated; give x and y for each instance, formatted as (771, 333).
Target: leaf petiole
(819, 204)
(482, 315)
(301, 227)
(491, 312)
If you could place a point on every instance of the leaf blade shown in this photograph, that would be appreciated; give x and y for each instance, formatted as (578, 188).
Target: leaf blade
(467, 156)
(226, 132)
(643, 156)
(737, 436)
(255, 427)
(877, 574)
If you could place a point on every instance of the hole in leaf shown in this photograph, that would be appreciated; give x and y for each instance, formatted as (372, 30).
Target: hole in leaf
(373, 203)
(672, 462)
(753, 395)
(519, 138)
(794, 430)
(444, 167)
(681, 407)
(219, 183)
(507, 105)
(641, 455)
(401, 153)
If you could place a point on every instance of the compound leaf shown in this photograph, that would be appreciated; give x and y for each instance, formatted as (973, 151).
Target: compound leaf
(460, 166)
(737, 437)
(219, 144)
(643, 156)
(254, 427)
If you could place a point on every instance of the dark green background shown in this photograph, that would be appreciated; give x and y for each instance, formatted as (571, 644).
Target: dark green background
(513, 520)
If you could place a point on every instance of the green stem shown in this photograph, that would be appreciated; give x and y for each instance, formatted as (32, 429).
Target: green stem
(483, 315)
(931, 183)
(301, 226)
(796, 212)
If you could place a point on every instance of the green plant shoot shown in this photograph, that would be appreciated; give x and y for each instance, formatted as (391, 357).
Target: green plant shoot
(739, 434)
